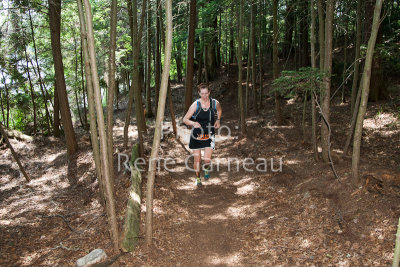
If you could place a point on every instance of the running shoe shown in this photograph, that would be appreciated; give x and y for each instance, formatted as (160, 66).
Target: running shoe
(206, 174)
(198, 181)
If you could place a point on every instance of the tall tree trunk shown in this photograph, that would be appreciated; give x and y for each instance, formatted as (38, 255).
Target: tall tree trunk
(178, 61)
(314, 66)
(240, 72)
(91, 104)
(158, 125)
(56, 112)
(326, 94)
(44, 95)
(148, 64)
(321, 33)
(246, 94)
(135, 90)
(171, 110)
(76, 82)
(365, 83)
(190, 56)
(83, 88)
(303, 31)
(31, 90)
(253, 55)
(7, 100)
(357, 60)
(157, 58)
(278, 108)
(111, 87)
(55, 24)
(105, 164)
(3, 121)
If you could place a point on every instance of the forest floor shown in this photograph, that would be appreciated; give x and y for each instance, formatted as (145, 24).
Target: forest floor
(299, 215)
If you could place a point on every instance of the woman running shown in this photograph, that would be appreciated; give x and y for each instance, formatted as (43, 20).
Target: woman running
(201, 116)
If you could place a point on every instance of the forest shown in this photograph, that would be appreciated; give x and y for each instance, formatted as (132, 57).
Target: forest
(95, 164)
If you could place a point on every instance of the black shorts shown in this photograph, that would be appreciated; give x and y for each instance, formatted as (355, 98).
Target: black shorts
(199, 143)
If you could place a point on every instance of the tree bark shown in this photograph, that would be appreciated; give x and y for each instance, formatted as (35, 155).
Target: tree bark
(240, 72)
(7, 100)
(111, 87)
(31, 90)
(102, 131)
(55, 25)
(365, 83)
(314, 66)
(56, 130)
(157, 66)
(190, 56)
(357, 60)
(158, 125)
(253, 55)
(321, 33)
(148, 64)
(326, 94)
(278, 108)
(91, 104)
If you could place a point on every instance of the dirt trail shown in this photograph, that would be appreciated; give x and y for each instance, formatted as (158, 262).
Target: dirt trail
(301, 215)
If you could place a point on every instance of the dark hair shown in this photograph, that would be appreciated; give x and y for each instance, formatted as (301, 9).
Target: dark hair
(203, 86)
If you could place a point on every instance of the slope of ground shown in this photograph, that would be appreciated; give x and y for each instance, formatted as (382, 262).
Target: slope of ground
(300, 215)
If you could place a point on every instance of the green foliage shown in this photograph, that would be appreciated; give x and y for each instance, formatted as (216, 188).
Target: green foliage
(291, 83)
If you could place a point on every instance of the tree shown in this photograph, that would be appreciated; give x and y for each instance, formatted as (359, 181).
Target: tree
(357, 57)
(158, 125)
(253, 55)
(110, 202)
(278, 108)
(365, 86)
(240, 71)
(190, 56)
(326, 93)
(111, 85)
(314, 66)
(55, 25)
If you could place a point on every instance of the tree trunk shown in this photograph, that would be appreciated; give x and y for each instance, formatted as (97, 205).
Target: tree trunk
(158, 125)
(148, 64)
(240, 72)
(157, 66)
(83, 88)
(314, 66)
(48, 119)
(56, 131)
(321, 33)
(178, 61)
(326, 94)
(31, 90)
(278, 108)
(7, 100)
(171, 110)
(253, 55)
(190, 56)
(55, 24)
(365, 83)
(111, 87)
(15, 155)
(303, 31)
(91, 104)
(76, 82)
(246, 94)
(105, 164)
(357, 60)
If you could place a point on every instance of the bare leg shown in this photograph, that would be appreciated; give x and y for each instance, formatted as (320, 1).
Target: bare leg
(197, 160)
(207, 160)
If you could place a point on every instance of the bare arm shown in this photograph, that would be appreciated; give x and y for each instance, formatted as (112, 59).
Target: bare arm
(189, 114)
(219, 114)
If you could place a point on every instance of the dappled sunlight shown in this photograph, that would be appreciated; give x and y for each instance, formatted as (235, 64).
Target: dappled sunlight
(232, 259)
(247, 189)
(379, 121)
